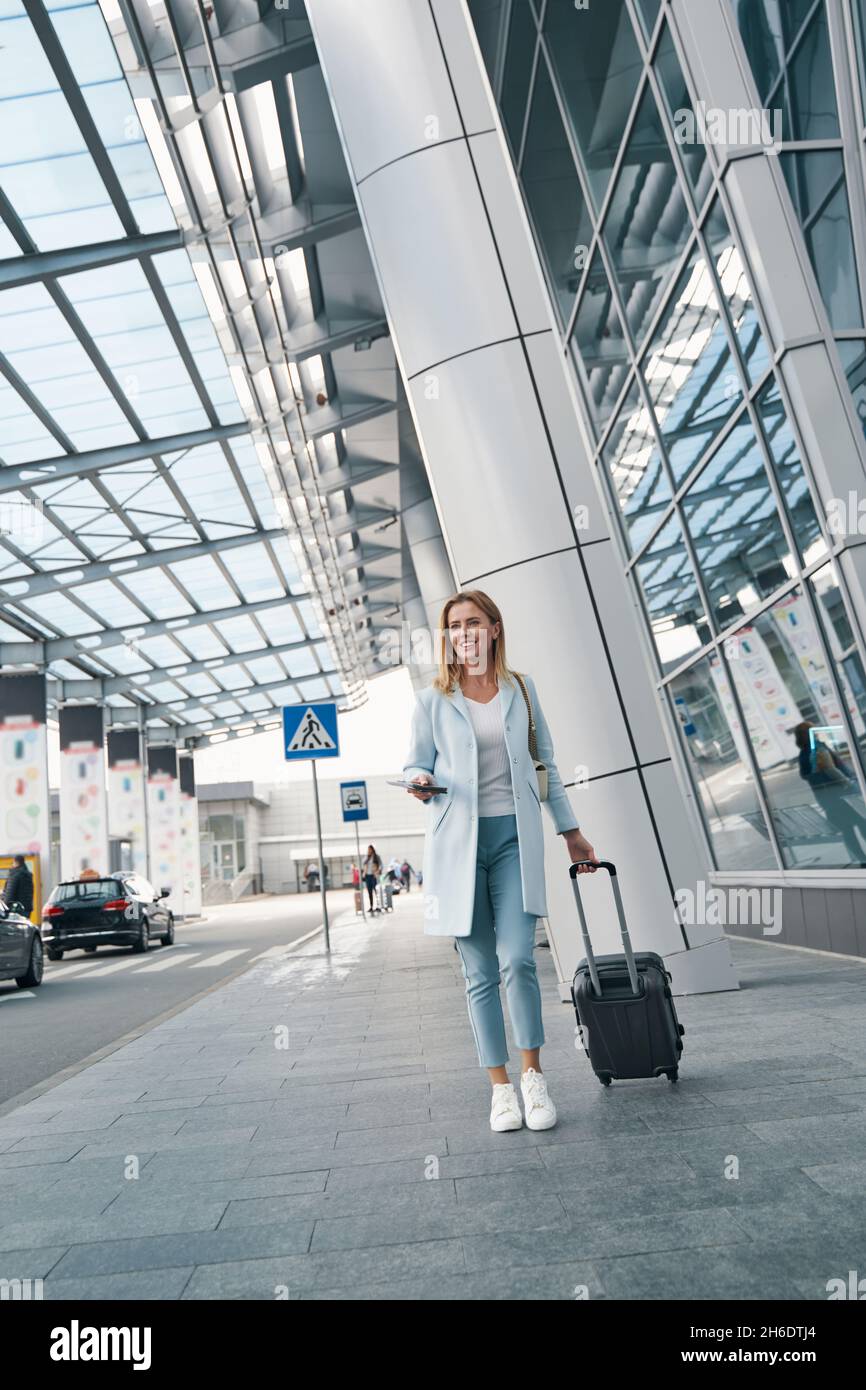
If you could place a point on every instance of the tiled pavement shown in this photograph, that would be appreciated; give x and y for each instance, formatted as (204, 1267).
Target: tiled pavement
(318, 1128)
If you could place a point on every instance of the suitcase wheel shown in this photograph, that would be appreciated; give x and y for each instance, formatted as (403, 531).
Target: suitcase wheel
(605, 1080)
(674, 1074)
(682, 1030)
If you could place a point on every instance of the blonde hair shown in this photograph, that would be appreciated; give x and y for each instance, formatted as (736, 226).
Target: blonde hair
(449, 671)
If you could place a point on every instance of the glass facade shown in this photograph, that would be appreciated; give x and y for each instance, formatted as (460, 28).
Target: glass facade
(788, 47)
(756, 649)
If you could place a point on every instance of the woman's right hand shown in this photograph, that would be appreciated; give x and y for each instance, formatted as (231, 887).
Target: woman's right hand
(423, 780)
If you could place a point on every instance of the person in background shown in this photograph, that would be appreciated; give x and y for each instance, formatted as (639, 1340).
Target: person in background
(406, 874)
(19, 886)
(372, 874)
(831, 779)
(311, 875)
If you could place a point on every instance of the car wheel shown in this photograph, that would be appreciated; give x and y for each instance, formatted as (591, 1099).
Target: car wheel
(35, 968)
(54, 954)
(168, 939)
(143, 942)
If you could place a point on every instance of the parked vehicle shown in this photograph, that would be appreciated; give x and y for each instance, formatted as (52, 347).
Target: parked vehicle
(116, 910)
(21, 956)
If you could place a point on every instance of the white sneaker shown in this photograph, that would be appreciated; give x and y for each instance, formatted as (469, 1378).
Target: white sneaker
(539, 1108)
(504, 1110)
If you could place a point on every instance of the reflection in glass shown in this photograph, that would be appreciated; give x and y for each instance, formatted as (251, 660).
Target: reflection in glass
(649, 10)
(712, 737)
(596, 59)
(598, 339)
(553, 192)
(843, 648)
(735, 287)
(667, 66)
(734, 523)
(647, 226)
(519, 55)
(852, 352)
(791, 65)
(636, 471)
(798, 737)
(674, 604)
(789, 473)
(859, 7)
(688, 371)
(816, 181)
(487, 19)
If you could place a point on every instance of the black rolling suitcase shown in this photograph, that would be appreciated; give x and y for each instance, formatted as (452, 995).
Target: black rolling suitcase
(626, 1018)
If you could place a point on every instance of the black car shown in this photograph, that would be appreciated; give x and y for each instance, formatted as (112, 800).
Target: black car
(21, 957)
(118, 910)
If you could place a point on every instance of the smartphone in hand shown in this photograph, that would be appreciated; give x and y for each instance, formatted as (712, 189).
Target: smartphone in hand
(418, 786)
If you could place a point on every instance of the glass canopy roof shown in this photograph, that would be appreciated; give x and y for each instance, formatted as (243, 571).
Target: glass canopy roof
(178, 535)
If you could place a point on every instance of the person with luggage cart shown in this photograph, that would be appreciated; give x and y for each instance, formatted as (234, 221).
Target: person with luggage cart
(481, 743)
(371, 872)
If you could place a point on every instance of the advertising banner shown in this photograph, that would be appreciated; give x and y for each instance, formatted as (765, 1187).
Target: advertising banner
(190, 852)
(127, 795)
(25, 826)
(163, 823)
(83, 800)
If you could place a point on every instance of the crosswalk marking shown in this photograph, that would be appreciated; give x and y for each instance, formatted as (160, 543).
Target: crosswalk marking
(66, 970)
(165, 959)
(19, 994)
(125, 964)
(165, 962)
(219, 959)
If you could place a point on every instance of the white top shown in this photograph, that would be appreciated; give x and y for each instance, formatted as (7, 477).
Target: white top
(495, 790)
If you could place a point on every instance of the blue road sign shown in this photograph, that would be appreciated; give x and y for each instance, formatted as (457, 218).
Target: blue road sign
(353, 796)
(310, 731)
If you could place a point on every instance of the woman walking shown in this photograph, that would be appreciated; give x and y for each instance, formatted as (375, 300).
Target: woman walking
(372, 873)
(484, 846)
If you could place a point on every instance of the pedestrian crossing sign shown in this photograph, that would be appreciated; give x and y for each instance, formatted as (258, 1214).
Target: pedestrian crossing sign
(310, 731)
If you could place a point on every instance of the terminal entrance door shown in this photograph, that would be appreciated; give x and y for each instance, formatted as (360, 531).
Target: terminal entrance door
(224, 863)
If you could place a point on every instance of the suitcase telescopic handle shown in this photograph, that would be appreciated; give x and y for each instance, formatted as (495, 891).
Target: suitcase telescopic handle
(623, 927)
(598, 863)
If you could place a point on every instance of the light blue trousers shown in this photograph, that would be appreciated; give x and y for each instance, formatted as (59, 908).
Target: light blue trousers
(502, 939)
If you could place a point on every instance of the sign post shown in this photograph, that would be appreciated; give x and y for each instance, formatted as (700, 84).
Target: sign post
(353, 796)
(310, 732)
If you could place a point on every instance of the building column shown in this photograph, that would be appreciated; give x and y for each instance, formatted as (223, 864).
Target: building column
(163, 823)
(190, 842)
(25, 823)
(83, 800)
(127, 794)
(430, 563)
(520, 509)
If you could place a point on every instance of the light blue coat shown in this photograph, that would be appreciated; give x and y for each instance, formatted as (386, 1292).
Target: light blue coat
(443, 743)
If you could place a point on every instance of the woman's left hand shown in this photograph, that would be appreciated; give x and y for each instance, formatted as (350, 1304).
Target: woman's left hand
(580, 848)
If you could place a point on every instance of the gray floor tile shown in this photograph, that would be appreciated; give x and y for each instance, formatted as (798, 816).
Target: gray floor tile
(359, 1163)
